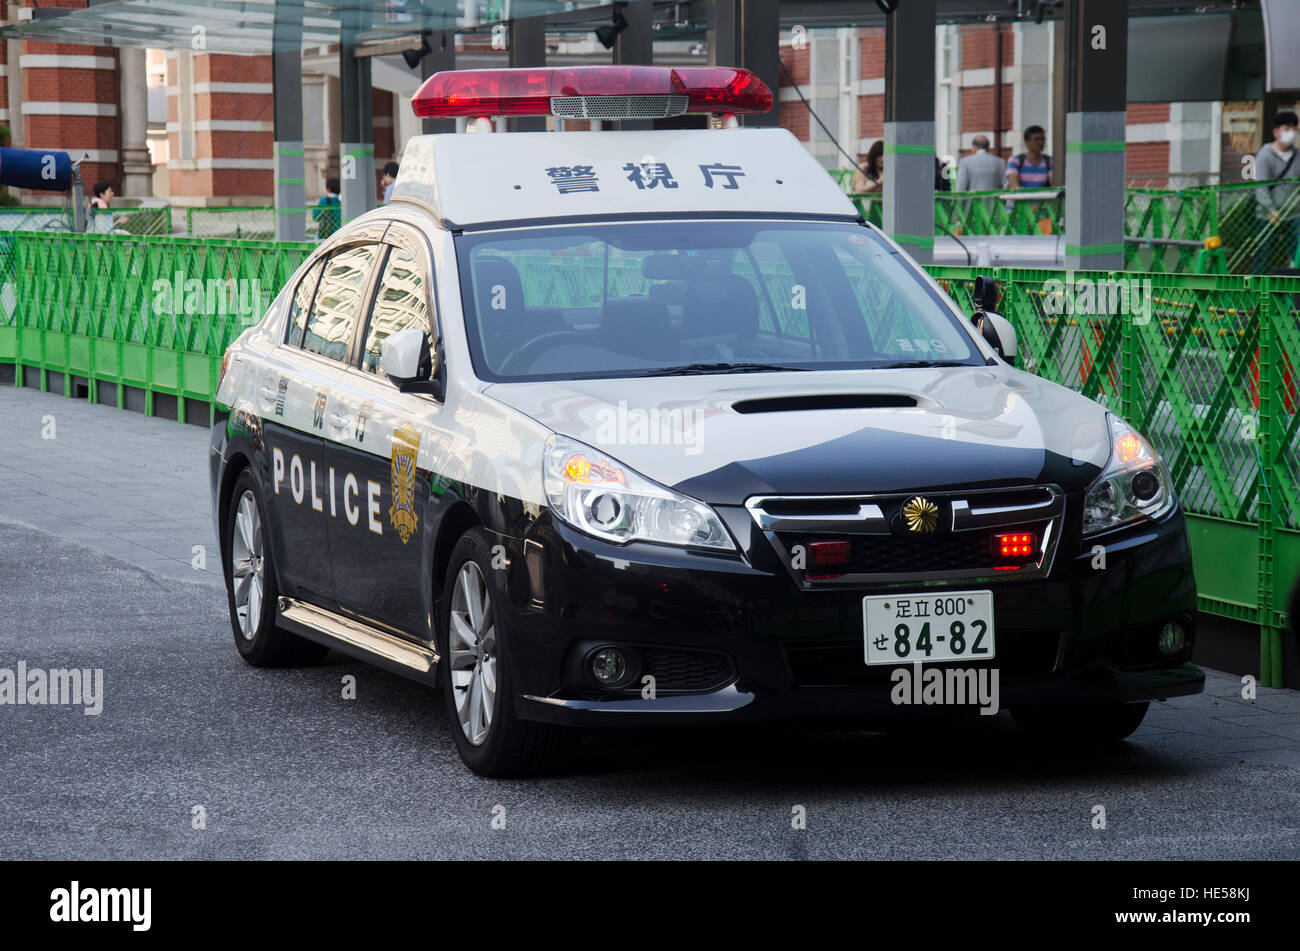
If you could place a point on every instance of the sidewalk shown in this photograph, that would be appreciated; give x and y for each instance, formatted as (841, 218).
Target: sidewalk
(128, 485)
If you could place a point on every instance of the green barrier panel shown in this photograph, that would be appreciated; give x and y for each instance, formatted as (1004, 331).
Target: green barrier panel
(151, 313)
(1166, 229)
(1207, 372)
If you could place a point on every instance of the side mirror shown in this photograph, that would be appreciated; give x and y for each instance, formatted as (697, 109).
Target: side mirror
(985, 295)
(407, 361)
(998, 332)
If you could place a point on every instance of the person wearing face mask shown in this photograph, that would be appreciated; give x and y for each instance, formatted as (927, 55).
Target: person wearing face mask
(1277, 206)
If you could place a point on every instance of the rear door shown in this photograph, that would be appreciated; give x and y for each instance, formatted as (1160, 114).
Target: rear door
(381, 545)
(299, 398)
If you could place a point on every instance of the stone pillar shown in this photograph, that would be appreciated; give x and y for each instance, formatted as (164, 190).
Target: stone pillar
(747, 33)
(357, 143)
(1096, 58)
(290, 165)
(137, 169)
(908, 212)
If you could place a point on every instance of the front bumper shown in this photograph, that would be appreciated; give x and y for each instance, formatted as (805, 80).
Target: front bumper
(735, 640)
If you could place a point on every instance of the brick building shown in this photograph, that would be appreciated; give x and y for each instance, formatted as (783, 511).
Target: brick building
(196, 127)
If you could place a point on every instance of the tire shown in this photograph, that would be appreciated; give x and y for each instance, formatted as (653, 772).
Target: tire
(251, 589)
(1091, 724)
(474, 674)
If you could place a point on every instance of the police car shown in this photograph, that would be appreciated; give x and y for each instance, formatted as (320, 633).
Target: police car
(597, 428)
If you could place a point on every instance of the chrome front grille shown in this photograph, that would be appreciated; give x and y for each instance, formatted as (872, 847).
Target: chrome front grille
(619, 107)
(882, 548)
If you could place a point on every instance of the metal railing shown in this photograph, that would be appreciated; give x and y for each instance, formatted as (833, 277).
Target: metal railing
(257, 223)
(1196, 230)
(151, 313)
(1206, 369)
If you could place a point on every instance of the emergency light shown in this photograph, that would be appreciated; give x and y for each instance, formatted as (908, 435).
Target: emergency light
(592, 92)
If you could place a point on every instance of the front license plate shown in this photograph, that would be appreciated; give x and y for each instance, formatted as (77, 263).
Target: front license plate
(924, 628)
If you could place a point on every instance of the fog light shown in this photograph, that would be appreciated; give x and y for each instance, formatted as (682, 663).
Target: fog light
(609, 666)
(1172, 639)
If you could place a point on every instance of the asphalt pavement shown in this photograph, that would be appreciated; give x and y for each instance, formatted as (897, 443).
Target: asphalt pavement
(196, 755)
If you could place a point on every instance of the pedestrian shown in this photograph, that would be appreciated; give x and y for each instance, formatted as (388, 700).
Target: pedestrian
(389, 177)
(101, 216)
(1031, 168)
(980, 171)
(103, 194)
(1277, 206)
(328, 210)
(869, 175)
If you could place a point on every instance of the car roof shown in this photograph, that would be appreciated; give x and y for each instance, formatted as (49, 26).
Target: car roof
(478, 180)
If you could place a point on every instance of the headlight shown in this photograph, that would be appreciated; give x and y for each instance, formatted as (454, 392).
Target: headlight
(602, 497)
(1135, 483)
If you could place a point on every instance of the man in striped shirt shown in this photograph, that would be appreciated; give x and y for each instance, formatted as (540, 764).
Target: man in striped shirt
(1032, 168)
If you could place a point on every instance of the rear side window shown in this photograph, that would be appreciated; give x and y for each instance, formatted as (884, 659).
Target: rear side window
(338, 301)
(300, 306)
(402, 303)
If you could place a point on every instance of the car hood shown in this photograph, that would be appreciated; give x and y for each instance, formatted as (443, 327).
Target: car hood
(724, 438)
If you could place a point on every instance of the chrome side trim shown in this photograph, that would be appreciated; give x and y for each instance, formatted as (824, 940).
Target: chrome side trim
(966, 516)
(723, 700)
(867, 520)
(360, 637)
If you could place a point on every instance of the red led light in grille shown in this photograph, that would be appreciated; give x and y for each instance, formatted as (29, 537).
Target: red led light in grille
(825, 554)
(1015, 548)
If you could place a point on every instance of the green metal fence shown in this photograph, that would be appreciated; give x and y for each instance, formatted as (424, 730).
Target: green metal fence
(256, 223)
(1207, 372)
(128, 220)
(1198, 230)
(152, 313)
(1206, 367)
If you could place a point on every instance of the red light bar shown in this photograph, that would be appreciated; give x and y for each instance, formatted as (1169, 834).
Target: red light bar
(529, 91)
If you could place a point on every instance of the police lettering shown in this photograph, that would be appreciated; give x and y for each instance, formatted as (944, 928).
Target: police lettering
(351, 490)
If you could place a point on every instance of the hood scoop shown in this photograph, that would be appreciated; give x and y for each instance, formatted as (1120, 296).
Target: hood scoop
(799, 404)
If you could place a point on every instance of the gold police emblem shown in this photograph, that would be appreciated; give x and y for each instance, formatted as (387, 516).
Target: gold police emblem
(402, 514)
(921, 515)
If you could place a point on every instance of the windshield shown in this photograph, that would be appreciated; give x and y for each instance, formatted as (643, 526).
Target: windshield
(648, 298)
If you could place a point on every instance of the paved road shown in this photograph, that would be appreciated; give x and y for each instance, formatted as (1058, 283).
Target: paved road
(284, 767)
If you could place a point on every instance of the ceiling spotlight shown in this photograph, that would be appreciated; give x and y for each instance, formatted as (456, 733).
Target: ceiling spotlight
(413, 57)
(607, 33)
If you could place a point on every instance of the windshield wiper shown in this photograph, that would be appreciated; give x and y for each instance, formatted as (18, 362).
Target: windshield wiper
(913, 364)
(690, 368)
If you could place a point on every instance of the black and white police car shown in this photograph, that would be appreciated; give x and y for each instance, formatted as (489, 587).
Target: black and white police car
(618, 428)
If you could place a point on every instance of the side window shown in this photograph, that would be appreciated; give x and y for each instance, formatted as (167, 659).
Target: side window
(300, 306)
(402, 302)
(338, 300)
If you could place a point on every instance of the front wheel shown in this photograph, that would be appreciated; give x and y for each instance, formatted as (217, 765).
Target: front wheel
(474, 673)
(251, 587)
(1086, 724)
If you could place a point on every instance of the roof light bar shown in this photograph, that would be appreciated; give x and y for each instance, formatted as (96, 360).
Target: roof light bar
(606, 92)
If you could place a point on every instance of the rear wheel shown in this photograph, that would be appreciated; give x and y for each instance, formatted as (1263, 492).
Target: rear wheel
(475, 674)
(1086, 724)
(251, 587)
